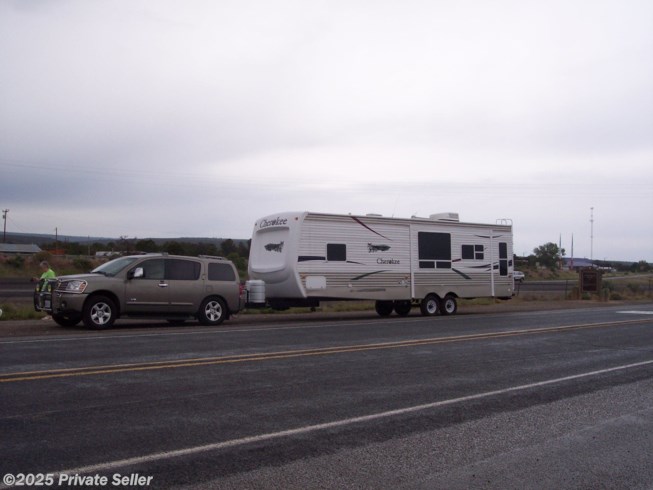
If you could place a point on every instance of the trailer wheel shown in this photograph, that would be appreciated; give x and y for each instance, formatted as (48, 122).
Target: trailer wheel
(402, 307)
(430, 306)
(449, 305)
(384, 308)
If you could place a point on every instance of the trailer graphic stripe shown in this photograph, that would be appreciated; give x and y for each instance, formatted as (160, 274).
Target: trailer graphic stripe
(308, 258)
(365, 226)
(460, 273)
(366, 275)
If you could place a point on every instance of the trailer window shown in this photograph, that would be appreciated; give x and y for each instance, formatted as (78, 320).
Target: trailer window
(336, 252)
(503, 259)
(473, 252)
(434, 250)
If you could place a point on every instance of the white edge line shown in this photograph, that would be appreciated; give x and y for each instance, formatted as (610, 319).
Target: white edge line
(109, 465)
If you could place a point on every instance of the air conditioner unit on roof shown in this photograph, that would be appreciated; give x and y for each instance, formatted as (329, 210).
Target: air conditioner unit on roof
(451, 217)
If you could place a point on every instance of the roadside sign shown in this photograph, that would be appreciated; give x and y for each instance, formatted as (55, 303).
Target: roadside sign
(590, 280)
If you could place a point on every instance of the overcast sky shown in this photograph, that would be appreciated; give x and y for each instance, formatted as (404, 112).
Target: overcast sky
(195, 118)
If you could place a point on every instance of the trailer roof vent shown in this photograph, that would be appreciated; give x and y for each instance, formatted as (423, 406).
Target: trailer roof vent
(450, 217)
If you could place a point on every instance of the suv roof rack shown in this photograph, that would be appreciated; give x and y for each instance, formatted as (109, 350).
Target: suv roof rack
(211, 257)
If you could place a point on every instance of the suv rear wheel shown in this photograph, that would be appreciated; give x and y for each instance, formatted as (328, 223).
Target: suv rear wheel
(99, 312)
(212, 311)
(403, 307)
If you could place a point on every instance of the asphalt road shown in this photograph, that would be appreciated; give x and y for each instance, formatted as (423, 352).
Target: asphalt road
(555, 399)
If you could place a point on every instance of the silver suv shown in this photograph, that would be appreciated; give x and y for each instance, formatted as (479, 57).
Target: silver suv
(173, 287)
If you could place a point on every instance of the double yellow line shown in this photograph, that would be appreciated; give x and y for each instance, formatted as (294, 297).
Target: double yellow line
(268, 356)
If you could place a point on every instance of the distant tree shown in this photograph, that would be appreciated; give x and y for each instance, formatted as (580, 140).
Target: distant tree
(125, 245)
(203, 248)
(75, 248)
(549, 255)
(641, 266)
(239, 262)
(173, 248)
(243, 249)
(147, 245)
(228, 247)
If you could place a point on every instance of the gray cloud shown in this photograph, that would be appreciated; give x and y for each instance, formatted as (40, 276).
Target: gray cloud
(163, 119)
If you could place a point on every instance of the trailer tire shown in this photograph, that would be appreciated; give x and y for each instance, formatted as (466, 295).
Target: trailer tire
(402, 308)
(384, 308)
(449, 305)
(430, 306)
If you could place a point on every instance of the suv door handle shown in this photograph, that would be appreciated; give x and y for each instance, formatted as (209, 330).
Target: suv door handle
(163, 284)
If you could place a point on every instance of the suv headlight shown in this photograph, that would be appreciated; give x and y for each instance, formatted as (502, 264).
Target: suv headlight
(72, 286)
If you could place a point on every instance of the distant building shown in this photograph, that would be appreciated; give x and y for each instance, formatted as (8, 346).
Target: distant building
(575, 263)
(105, 253)
(17, 249)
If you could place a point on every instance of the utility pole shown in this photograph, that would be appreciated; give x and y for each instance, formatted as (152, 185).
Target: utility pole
(592, 235)
(4, 217)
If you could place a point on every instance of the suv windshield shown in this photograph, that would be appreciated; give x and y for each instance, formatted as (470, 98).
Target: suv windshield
(113, 267)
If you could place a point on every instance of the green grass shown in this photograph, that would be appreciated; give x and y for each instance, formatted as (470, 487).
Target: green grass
(17, 311)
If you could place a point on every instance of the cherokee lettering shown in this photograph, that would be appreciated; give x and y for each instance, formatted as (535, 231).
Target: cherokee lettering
(275, 222)
(388, 261)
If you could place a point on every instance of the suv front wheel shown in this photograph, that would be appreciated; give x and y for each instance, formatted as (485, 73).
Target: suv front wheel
(99, 312)
(66, 320)
(212, 311)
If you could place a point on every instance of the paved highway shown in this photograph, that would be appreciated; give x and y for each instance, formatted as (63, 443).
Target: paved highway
(555, 399)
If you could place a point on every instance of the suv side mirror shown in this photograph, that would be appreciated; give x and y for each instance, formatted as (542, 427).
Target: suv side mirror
(136, 273)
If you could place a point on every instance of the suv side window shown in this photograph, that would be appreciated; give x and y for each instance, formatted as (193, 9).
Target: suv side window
(152, 269)
(221, 272)
(182, 270)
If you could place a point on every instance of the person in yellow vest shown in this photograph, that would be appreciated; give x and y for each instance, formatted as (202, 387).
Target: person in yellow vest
(48, 273)
(43, 285)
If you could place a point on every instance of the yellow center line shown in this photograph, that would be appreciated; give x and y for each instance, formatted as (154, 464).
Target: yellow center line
(210, 361)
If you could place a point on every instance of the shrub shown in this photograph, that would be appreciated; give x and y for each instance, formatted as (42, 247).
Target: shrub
(17, 262)
(633, 288)
(83, 264)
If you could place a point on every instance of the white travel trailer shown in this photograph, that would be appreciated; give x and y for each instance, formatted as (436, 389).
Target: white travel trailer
(300, 259)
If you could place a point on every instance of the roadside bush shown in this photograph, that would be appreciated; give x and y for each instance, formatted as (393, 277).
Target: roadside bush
(41, 256)
(83, 264)
(17, 262)
(633, 288)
